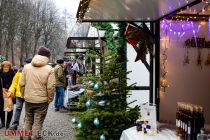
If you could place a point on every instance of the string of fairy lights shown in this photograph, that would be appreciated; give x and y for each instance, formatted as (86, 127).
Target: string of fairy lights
(187, 24)
(170, 29)
(164, 59)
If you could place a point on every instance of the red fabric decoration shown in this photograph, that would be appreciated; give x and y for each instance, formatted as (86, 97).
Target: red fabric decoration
(131, 33)
(132, 37)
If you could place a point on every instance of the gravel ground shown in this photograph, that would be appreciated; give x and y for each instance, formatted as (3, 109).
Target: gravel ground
(55, 122)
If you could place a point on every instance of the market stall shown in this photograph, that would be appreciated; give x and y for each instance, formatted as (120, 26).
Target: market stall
(175, 35)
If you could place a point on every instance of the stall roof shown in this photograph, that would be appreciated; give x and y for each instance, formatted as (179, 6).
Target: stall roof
(130, 10)
(200, 9)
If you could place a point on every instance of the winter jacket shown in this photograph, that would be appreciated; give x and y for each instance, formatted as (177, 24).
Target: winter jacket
(60, 76)
(15, 87)
(37, 82)
(7, 78)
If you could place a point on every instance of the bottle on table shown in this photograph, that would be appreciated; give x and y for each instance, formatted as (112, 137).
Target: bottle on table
(201, 135)
(178, 116)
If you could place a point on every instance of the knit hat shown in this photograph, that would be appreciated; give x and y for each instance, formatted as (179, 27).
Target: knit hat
(60, 61)
(44, 51)
(28, 60)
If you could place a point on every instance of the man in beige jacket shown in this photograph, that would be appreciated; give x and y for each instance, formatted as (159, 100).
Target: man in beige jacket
(37, 86)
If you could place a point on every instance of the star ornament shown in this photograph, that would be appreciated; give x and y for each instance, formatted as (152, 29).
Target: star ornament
(186, 60)
(140, 55)
(207, 63)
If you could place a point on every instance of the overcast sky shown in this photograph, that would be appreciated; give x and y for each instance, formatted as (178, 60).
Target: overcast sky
(70, 5)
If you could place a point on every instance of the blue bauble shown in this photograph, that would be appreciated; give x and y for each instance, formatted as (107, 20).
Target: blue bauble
(102, 137)
(91, 85)
(96, 86)
(79, 125)
(96, 122)
(88, 103)
(74, 120)
(102, 103)
(100, 94)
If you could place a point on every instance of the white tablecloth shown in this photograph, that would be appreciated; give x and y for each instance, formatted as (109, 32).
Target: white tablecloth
(132, 134)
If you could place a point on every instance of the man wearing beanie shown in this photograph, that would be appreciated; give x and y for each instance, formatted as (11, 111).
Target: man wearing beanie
(60, 85)
(37, 86)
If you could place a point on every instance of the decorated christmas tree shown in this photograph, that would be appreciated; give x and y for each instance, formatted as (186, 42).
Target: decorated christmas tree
(107, 113)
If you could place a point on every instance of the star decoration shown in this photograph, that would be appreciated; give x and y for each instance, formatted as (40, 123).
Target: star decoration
(186, 59)
(207, 63)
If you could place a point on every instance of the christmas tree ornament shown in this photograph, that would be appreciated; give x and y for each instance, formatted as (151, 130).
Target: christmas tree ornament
(74, 120)
(91, 85)
(79, 125)
(100, 94)
(96, 122)
(102, 137)
(96, 86)
(102, 103)
(88, 103)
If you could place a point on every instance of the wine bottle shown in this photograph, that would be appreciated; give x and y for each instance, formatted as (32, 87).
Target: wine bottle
(191, 124)
(178, 126)
(196, 121)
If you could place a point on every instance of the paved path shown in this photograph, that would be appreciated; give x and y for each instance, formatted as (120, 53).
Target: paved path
(54, 122)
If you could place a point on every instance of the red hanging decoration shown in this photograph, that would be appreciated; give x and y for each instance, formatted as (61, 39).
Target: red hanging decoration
(131, 34)
(133, 37)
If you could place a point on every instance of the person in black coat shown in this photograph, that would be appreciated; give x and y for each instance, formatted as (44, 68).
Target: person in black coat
(6, 76)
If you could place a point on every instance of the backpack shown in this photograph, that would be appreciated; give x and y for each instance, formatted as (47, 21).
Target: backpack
(81, 68)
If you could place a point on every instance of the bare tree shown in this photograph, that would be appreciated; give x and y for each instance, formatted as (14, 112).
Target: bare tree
(26, 24)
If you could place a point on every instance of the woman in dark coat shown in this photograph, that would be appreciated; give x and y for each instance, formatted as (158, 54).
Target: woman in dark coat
(6, 75)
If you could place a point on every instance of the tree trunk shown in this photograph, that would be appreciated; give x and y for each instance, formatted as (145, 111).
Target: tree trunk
(35, 46)
(7, 49)
(0, 43)
(21, 52)
(12, 53)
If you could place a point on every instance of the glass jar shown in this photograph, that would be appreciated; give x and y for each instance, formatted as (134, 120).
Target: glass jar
(202, 136)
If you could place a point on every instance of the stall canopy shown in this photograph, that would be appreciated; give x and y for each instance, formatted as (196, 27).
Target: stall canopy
(130, 10)
(200, 10)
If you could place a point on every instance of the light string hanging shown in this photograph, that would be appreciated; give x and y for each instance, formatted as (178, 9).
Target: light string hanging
(164, 72)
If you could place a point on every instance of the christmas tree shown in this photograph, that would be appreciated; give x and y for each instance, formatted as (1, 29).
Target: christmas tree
(107, 113)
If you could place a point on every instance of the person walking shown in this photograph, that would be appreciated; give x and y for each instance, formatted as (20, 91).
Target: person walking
(37, 85)
(60, 78)
(75, 68)
(6, 75)
(15, 87)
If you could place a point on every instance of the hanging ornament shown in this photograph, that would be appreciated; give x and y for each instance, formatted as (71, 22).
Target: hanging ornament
(88, 104)
(102, 137)
(96, 122)
(207, 63)
(100, 94)
(96, 86)
(199, 60)
(74, 120)
(186, 57)
(79, 125)
(102, 103)
(91, 84)
(140, 39)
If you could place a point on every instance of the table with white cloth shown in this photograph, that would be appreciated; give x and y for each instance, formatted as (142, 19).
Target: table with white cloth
(132, 134)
